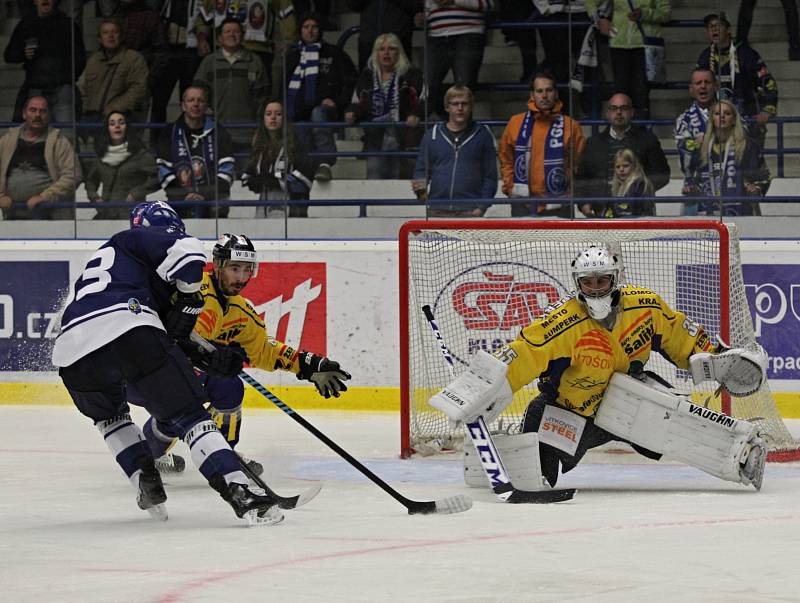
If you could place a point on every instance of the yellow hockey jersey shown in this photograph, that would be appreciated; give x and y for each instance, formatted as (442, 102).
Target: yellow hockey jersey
(574, 356)
(228, 319)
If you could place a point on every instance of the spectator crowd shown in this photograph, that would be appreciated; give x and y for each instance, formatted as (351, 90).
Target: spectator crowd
(248, 72)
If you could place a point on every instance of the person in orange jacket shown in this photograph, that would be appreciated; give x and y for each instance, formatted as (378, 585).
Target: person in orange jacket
(539, 151)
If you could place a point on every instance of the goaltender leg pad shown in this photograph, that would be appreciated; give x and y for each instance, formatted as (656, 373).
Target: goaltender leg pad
(670, 424)
(520, 457)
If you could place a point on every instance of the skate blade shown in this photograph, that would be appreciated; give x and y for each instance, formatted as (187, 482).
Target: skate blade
(272, 517)
(158, 512)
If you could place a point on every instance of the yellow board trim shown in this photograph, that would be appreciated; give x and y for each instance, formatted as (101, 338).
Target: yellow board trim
(299, 397)
(384, 399)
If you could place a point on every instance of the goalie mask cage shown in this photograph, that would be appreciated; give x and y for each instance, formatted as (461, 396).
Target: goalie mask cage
(486, 279)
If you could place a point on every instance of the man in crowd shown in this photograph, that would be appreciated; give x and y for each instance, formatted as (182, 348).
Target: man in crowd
(742, 74)
(320, 83)
(690, 128)
(115, 78)
(596, 167)
(457, 160)
(238, 82)
(50, 48)
(195, 158)
(38, 165)
(539, 152)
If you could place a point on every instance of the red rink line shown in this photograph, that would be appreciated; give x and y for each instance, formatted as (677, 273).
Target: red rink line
(179, 592)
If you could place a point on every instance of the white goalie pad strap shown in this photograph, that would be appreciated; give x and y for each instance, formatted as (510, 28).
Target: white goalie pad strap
(671, 425)
(481, 390)
(520, 457)
(741, 372)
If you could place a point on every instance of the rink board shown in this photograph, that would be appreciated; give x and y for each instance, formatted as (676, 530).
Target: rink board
(337, 298)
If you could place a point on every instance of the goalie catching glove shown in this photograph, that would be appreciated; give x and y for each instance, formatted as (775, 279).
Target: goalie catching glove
(180, 320)
(481, 390)
(325, 374)
(741, 372)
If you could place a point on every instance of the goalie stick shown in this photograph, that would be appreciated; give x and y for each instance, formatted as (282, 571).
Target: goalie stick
(487, 451)
(451, 504)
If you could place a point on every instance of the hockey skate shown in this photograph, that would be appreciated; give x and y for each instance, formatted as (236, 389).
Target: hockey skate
(150, 495)
(255, 467)
(252, 504)
(752, 470)
(170, 464)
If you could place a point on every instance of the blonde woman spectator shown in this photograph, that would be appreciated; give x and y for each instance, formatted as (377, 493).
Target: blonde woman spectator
(389, 90)
(729, 165)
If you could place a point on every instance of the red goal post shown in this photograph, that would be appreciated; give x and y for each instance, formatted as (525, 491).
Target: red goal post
(486, 279)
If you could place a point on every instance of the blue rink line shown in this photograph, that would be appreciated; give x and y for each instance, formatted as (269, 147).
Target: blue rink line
(586, 475)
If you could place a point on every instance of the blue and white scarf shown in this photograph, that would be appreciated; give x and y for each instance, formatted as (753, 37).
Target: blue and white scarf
(721, 177)
(555, 181)
(305, 74)
(385, 98)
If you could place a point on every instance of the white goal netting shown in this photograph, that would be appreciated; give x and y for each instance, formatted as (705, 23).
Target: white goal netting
(485, 280)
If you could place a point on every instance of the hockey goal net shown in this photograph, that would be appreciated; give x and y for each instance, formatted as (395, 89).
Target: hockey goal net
(486, 279)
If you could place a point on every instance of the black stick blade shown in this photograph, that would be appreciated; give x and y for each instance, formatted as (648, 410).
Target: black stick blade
(541, 497)
(445, 506)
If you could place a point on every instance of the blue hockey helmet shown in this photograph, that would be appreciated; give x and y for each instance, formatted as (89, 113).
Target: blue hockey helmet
(156, 213)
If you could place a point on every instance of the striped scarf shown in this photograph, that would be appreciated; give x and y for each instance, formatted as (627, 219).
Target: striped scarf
(304, 75)
(385, 103)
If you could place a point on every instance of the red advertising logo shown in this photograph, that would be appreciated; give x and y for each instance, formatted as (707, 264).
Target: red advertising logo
(291, 297)
(485, 306)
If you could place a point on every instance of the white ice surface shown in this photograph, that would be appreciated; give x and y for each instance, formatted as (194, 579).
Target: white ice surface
(70, 529)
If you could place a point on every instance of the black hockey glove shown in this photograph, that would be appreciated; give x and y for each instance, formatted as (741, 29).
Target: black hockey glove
(181, 318)
(323, 373)
(225, 361)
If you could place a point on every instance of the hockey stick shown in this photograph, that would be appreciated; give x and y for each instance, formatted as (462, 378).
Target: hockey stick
(487, 451)
(451, 504)
(284, 502)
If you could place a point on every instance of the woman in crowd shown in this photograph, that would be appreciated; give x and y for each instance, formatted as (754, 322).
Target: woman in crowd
(279, 167)
(391, 91)
(729, 164)
(123, 170)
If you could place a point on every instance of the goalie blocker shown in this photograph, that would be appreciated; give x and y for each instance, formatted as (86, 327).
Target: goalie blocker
(651, 416)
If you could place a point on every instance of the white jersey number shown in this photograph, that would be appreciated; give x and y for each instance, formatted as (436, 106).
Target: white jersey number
(98, 274)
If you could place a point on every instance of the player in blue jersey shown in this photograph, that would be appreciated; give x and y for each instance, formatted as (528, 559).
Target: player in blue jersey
(137, 295)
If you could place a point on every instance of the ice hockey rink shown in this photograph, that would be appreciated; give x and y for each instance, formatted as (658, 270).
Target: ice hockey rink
(635, 531)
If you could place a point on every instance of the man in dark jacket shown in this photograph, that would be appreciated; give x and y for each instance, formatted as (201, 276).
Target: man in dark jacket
(320, 80)
(43, 43)
(596, 167)
(458, 160)
(386, 16)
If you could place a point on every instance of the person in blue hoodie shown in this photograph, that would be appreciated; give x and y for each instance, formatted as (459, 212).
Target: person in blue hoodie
(457, 161)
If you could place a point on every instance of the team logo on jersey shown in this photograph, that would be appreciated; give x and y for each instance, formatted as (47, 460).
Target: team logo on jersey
(593, 349)
(134, 306)
(291, 297)
(486, 305)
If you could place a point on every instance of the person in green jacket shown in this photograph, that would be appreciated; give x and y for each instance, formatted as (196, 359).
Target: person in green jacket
(624, 21)
(123, 170)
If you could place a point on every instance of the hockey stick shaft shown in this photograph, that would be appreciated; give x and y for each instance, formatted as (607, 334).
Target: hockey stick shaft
(486, 449)
(413, 506)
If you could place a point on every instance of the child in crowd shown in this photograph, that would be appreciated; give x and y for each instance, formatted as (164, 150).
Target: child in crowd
(629, 182)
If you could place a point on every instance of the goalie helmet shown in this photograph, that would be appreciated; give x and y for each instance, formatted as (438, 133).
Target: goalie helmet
(156, 213)
(598, 261)
(235, 248)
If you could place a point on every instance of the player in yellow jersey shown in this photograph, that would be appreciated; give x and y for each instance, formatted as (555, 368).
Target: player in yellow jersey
(230, 321)
(584, 350)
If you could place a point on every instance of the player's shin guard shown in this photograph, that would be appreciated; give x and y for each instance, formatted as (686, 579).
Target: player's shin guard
(659, 420)
(160, 444)
(520, 457)
(127, 443)
(211, 453)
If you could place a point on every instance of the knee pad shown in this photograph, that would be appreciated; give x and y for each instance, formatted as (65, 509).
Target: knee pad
(225, 394)
(178, 427)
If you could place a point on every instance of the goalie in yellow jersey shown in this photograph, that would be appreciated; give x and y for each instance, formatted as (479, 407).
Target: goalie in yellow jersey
(588, 352)
(230, 322)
